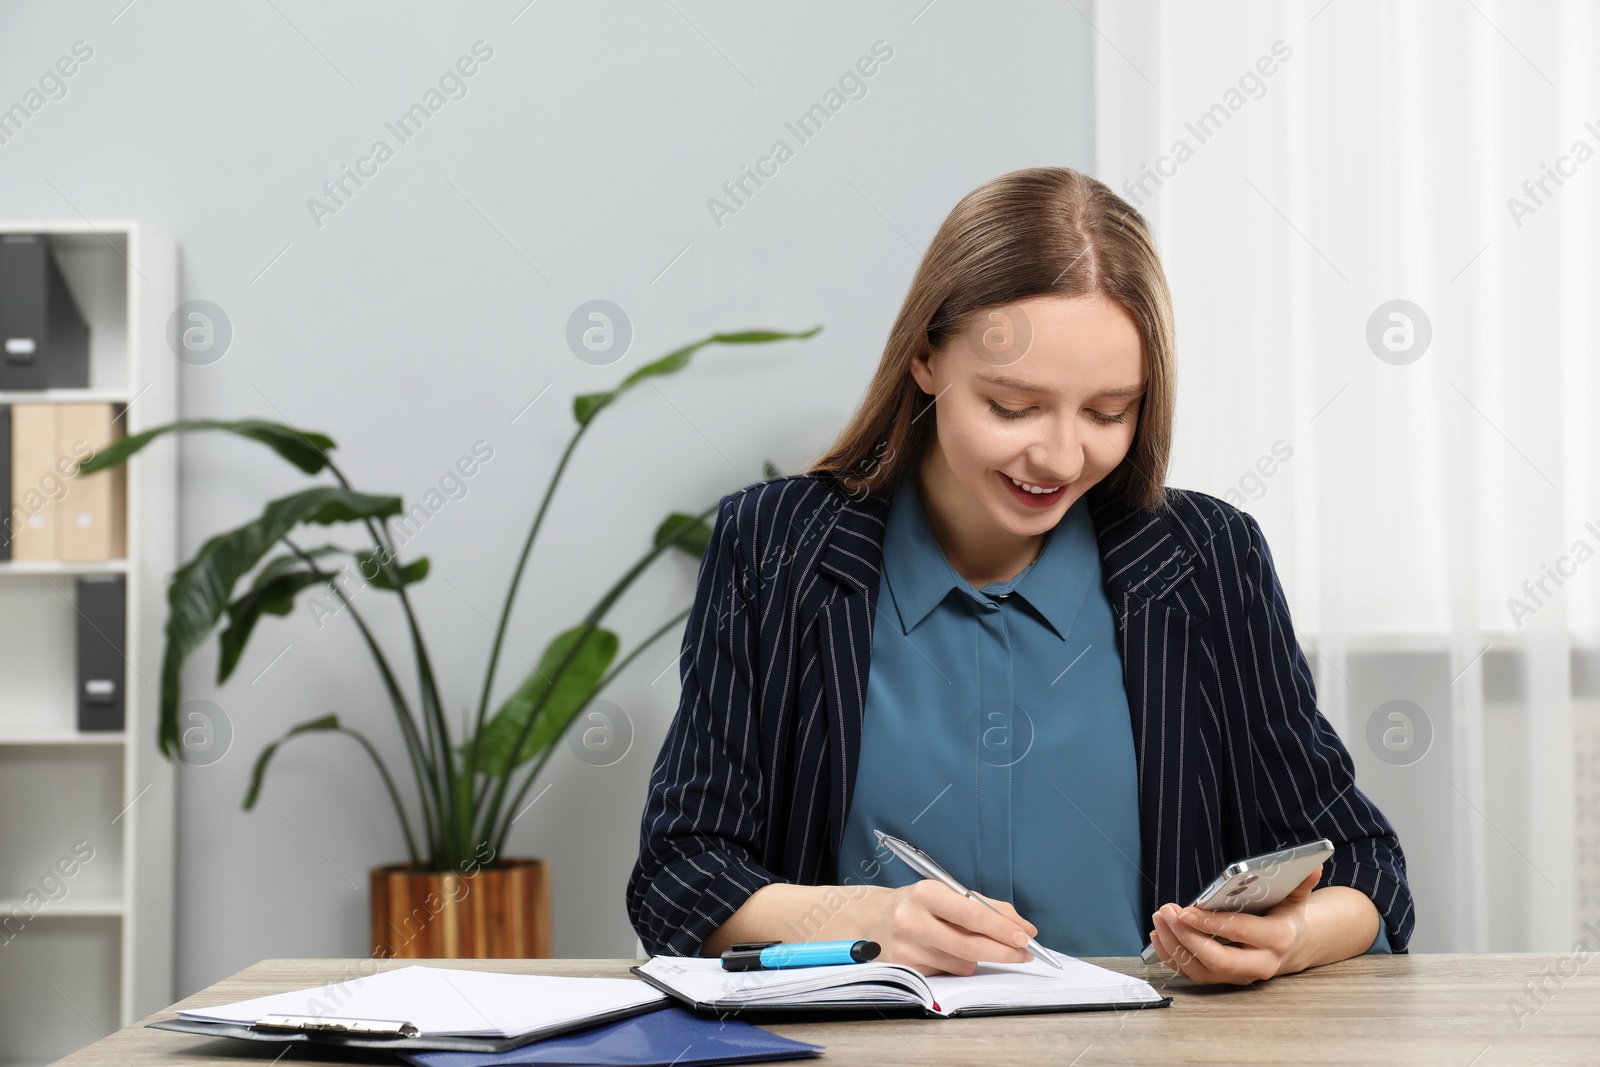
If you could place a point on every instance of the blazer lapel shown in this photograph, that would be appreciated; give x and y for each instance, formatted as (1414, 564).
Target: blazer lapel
(843, 601)
(1164, 661)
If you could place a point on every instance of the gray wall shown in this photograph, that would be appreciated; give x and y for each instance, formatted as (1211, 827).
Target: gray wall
(427, 312)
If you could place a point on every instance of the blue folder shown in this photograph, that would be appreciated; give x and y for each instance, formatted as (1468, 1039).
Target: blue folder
(671, 1036)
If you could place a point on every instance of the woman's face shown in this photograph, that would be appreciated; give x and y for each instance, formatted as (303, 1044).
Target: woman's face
(1045, 391)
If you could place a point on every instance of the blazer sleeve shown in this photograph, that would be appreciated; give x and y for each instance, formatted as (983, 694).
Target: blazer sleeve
(704, 816)
(1304, 774)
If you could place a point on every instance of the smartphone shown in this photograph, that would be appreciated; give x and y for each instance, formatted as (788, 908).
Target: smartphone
(1255, 885)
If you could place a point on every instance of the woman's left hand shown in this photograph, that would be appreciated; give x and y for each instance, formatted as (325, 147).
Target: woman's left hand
(1263, 945)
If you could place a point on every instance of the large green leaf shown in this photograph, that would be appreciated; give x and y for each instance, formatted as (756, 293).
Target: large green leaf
(199, 592)
(585, 407)
(305, 450)
(574, 687)
(291, 561)
(275, 587)
(693, 542)
(275, 596)
(373, 570)
(257, 773)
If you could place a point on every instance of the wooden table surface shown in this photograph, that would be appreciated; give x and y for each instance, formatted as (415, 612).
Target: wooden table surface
(1467, 1010)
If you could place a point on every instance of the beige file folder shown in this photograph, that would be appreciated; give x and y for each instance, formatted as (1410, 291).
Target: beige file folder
(36, 485)
(90, 522)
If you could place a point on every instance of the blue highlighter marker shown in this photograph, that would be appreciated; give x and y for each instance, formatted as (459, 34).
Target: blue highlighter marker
(771, 955)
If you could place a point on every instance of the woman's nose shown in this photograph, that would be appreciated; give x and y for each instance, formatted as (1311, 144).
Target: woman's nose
(1063, 461)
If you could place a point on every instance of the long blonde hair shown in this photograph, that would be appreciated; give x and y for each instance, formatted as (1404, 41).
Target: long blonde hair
(1042, 230)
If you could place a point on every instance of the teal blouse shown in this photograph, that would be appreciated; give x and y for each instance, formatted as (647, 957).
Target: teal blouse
(996, 737)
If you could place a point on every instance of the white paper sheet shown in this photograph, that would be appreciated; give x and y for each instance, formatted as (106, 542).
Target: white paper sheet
(442, 1001)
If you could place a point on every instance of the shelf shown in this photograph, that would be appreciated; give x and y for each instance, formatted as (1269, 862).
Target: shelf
(107, 941)
(67, 909)
(49, 568)
(69, 795)
(62, 987)
(58, 737)
(64, 396)
(103, 227)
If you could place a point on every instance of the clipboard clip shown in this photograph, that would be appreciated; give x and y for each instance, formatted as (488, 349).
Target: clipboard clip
(320, 1024)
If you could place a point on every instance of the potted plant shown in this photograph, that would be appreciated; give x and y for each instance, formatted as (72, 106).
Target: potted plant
(456, 894)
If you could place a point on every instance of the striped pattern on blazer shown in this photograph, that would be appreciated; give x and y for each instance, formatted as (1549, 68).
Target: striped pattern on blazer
(753, 781)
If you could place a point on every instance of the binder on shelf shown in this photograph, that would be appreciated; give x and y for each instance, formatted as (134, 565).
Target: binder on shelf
(7, 516)
(102, 627)
(44, 340)
(90, 522)
(35, 484)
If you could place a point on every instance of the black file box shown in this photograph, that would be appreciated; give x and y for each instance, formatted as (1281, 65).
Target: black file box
(102, 630)
(44, 340)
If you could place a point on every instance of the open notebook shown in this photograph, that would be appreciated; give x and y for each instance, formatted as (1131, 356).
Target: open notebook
(996, 988)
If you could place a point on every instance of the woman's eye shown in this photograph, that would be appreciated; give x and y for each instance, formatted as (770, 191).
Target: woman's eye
(1006, 413)
(1098, 416)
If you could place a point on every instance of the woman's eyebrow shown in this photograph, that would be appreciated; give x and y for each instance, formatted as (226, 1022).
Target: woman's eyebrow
(1006, 381)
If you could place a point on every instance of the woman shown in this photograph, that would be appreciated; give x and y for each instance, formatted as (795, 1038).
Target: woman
(981, 623)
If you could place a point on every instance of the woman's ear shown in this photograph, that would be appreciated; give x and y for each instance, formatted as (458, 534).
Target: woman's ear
(922, 367)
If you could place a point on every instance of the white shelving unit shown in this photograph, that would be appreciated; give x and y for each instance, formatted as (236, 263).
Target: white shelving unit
(82, 956)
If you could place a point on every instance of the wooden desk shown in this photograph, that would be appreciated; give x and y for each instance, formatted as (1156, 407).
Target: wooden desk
(1448, 1009)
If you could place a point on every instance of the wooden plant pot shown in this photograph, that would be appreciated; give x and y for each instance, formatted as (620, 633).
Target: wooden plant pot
(493, 913)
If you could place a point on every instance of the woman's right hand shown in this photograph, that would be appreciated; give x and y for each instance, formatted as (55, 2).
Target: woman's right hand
(932, 928)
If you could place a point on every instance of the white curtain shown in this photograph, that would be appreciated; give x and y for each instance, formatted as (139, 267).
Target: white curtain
(1433, 509)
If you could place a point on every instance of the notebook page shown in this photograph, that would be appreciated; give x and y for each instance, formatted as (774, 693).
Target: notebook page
(703, 980)
(1037, 984)
(443, 1001)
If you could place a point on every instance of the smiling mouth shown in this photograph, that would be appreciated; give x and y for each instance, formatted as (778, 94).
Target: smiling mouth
(1031, 494)
(1034, 487)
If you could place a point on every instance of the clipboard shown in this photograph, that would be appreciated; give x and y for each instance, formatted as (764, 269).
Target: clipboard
(384, 1034)
(423, 1009)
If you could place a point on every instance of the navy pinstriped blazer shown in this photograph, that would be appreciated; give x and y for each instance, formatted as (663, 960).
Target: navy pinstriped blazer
(753, 781)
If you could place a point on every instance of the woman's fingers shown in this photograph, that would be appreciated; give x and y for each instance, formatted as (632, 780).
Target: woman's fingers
(935, 929)
(1168, 948)
(1300, 892)
(1253, 947)
(1010, 912)
(1246, 929)
(962, 943)
(1239, 964)
(981, 922)
(967, 929)
(933, 961)
(1175, 954)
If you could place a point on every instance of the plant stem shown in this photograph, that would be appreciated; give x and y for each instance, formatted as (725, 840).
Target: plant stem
(491, 816)
(452, 840)
(527, 784)
(408, 726)
(394, 795)
(511, 596)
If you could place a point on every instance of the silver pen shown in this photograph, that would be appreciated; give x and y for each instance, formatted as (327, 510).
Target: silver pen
(923, 864)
